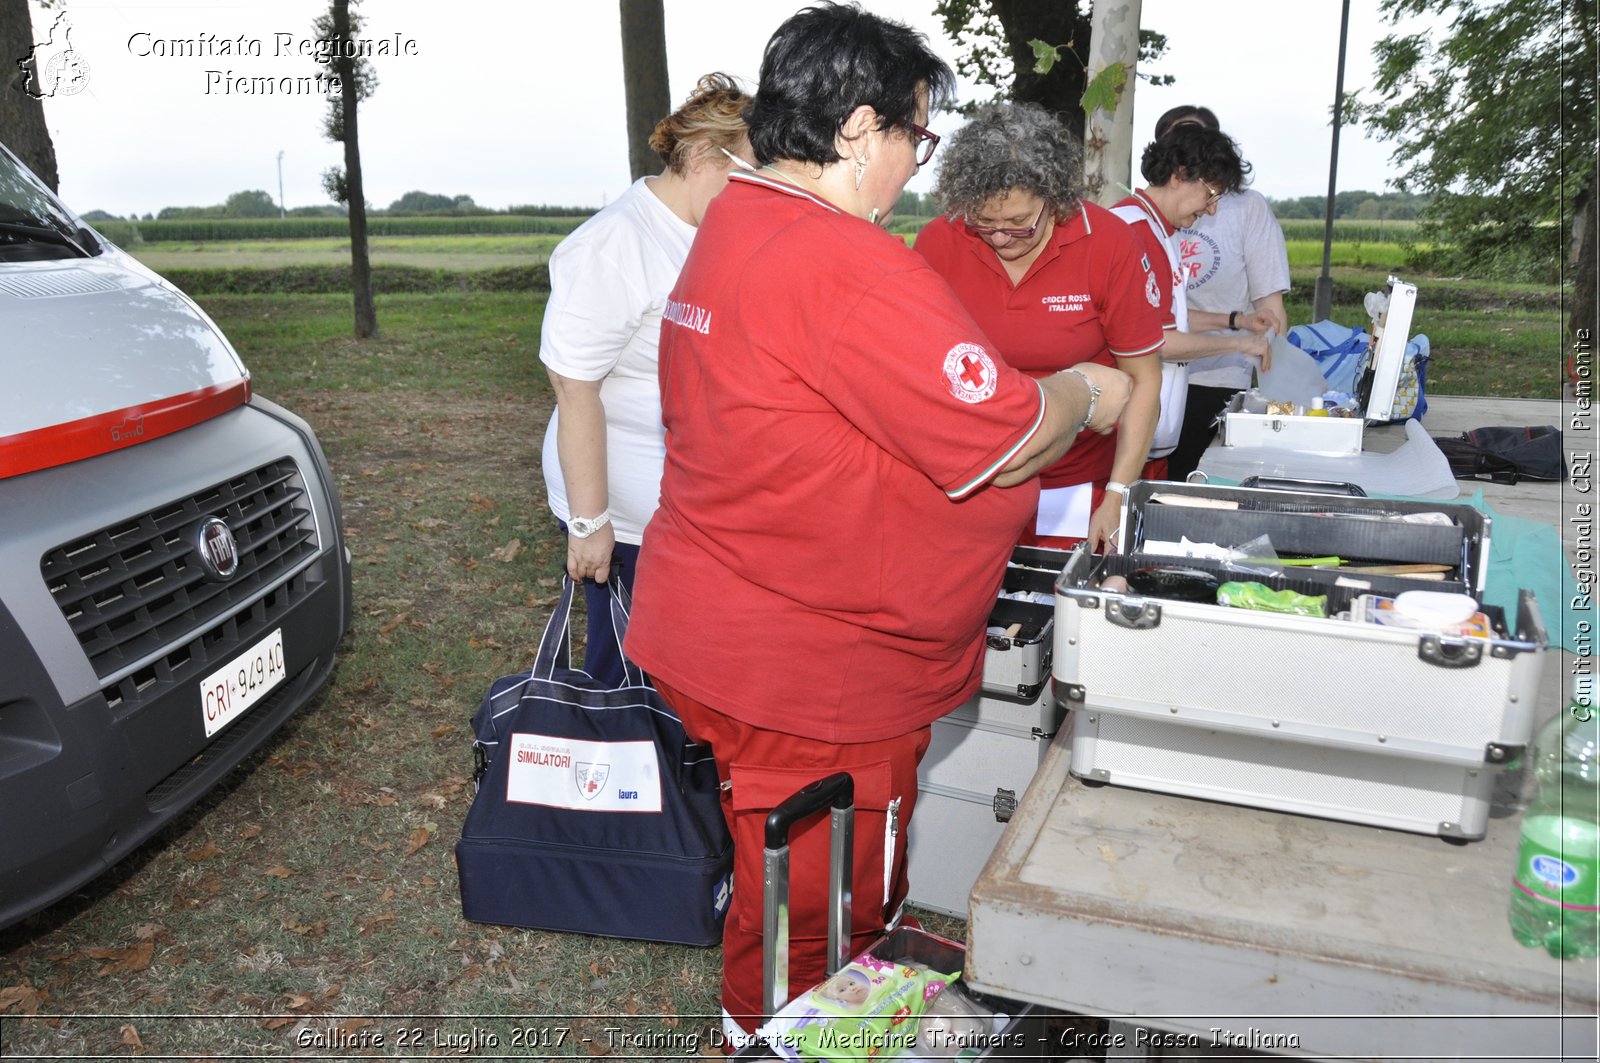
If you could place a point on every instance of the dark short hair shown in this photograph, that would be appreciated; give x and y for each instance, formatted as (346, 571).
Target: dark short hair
(1186, 114)
(1196, 153)
(823, 63)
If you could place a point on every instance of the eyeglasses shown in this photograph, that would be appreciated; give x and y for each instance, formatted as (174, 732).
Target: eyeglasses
(1015, 234)
(923, 141)
(1215, 193)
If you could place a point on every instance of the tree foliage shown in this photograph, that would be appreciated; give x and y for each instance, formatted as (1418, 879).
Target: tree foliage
(252, 204)
(1353, 203)
(1495, 120)
(323, 27)
(995, 42)
(421, 203)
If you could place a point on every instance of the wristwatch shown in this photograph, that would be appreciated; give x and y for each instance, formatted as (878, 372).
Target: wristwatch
(583, 527)
(1094, 396)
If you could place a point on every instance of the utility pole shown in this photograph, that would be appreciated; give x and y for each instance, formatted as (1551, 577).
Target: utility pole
(281, 212)
(1322, 299)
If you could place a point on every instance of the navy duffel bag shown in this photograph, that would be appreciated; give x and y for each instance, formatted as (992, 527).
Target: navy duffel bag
(594, 813)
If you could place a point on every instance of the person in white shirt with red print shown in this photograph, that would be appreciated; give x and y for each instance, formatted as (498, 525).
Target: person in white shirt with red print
(1237, 272)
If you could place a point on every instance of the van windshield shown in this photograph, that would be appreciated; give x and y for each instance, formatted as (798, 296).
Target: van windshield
(33, 223)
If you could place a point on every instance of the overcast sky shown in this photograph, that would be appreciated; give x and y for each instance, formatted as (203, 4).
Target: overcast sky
(520, 101)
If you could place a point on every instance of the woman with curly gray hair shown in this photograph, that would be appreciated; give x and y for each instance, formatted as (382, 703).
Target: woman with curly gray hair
(1054, 282)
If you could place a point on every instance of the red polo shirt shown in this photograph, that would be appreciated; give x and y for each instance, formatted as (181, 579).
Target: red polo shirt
(1082, 300)
(827, 547)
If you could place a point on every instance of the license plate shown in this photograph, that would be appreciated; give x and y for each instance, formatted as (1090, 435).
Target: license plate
(230, 691)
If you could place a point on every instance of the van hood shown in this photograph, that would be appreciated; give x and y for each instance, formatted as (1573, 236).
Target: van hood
(99, 353)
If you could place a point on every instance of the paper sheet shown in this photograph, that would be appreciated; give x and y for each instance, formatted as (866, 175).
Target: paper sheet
(1064, 511)
(1294, 376)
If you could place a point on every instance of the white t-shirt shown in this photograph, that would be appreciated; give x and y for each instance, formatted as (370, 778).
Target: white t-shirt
(1232, 258)
(609, 282)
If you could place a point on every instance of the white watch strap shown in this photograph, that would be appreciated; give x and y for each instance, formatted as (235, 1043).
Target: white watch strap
(583, 527)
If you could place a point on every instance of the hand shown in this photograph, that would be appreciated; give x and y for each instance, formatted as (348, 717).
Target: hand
(591, 558)
(1257, 347)
(1103, 524)
(1115, 389)
(1256, 322)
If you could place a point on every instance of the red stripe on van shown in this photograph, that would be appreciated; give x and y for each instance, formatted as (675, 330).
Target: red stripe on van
(61, 444)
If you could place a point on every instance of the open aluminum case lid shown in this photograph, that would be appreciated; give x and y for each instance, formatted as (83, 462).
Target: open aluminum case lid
(1392, 331)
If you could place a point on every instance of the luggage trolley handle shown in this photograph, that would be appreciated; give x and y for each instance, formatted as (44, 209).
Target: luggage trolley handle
(837, 791)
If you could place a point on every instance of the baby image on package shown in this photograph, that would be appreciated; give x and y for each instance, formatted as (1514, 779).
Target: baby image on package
(868, 1009)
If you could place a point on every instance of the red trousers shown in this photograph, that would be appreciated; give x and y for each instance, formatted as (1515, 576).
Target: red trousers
(759, 769)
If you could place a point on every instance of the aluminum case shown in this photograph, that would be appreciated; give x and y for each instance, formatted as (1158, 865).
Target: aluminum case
(1016, 662)
(1336, 435)
(1359, 722)
(985, 752)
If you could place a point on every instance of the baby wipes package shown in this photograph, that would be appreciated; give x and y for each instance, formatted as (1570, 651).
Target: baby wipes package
(869, 1009)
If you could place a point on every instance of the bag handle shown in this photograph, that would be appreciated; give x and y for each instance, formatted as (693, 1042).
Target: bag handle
(555, 646)
(621, 606)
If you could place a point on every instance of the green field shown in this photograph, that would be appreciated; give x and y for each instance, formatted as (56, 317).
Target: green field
(467, 252)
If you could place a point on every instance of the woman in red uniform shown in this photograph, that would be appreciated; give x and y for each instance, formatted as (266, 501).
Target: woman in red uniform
(848, 465)
(1054, 281)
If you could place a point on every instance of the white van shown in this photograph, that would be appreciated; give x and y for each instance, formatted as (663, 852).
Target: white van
(173, 576)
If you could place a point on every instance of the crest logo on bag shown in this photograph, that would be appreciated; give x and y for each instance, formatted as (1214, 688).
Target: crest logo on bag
(591, 778)
(585, 775)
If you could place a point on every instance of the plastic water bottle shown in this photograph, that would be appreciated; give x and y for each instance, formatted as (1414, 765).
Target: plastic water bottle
(1555, 890)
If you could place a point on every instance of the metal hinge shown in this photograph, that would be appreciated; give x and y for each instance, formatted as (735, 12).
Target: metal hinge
(1005, 804)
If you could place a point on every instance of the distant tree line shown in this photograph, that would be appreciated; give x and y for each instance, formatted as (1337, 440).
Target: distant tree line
(1356, 206)
(258, 204)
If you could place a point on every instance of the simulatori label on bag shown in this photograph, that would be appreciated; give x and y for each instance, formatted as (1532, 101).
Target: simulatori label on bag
(588, 776)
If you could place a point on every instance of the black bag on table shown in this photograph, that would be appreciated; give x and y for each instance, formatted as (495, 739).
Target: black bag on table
(594, 813)
(1506, 454)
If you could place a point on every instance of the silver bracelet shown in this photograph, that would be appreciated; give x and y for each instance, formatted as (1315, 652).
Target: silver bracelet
(1094, 395)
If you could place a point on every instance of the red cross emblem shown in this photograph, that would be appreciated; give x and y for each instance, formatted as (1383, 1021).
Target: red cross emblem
(970, 372)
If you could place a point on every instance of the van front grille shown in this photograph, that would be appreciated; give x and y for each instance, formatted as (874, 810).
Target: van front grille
(136, 590)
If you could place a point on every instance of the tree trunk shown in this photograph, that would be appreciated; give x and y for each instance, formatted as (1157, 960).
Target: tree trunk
(360, 262)
(644, 79)
(1108, 137)
(22, 126)
(1061, 90)
(1582, 325)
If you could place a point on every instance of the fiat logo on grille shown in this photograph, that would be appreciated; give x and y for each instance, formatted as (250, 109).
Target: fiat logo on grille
(219, 554)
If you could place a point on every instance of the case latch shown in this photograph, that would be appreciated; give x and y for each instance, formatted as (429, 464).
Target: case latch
(1005, 804)
(1450, 653)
